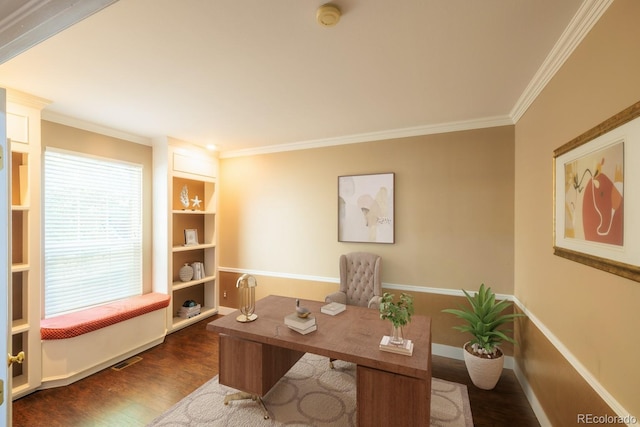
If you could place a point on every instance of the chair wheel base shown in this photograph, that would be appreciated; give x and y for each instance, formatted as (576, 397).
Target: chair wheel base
(242, 395)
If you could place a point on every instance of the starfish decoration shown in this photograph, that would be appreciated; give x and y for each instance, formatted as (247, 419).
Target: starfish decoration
(196, 202)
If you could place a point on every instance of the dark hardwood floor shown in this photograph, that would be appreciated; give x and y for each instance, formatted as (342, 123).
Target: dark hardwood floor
(187, 359)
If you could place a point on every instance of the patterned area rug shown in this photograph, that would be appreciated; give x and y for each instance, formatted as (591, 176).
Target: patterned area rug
(310, 394)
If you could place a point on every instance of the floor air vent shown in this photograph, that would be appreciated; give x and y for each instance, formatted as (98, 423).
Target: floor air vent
(126, 363)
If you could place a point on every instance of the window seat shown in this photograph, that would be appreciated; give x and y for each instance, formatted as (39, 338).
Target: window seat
(91, 319)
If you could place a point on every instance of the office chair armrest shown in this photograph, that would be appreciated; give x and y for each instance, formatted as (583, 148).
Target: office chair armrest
(374, 302)
(338, 296)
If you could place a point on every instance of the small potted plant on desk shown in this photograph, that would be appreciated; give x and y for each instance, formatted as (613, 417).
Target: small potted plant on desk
(482, 355)
(399, 313)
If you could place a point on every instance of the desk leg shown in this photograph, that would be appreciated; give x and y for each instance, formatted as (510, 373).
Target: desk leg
(385, 399)
(251, 366)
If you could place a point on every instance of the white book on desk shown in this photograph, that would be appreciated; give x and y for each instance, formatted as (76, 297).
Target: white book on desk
(303, 331)
(333, 308)
(406, 348)
(299, 322)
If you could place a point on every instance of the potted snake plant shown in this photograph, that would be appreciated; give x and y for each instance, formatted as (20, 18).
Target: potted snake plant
(482, 354)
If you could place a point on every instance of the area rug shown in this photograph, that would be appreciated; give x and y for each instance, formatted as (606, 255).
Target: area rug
(310, 394)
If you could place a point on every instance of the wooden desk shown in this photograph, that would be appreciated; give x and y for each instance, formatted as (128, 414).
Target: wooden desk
(391, 389)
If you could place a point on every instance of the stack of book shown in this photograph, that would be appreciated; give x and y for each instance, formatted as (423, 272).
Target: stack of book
(405, 348)
(189, 312)
(333, 308)
(198, 271)
(301, 325)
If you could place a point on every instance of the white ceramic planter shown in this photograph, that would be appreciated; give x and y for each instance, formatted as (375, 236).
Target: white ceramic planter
(484, 373)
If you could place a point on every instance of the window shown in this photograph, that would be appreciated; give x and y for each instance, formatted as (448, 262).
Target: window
(92, 231)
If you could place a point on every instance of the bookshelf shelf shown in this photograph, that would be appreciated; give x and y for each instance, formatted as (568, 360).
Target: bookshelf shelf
(24, 141)
(190, 203)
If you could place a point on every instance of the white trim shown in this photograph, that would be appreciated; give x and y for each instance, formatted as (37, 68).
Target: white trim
(93, 127)
(225, 310)
(486, 122)
(531, 397)
(30, 22)
(398, 287)
(26, 99)
(281, 275)
(585, 18)
(439, 291)
(452, 352)
(573, 361)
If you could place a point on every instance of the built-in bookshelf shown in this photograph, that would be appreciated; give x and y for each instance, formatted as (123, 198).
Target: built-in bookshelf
(23, 133)
(191, 190)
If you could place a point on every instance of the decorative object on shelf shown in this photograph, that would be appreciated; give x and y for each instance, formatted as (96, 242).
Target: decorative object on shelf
(196, 202)
(482, 355)
(247, 285)
(370, 196)
(186, 272)
(198, 270)
(190, 237)
(184, 197)
(399, 313)
(189, 309)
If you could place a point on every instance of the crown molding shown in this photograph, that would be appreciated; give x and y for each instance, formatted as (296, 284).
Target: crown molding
(26, 99)
(582, 22)
(374, 136)
(93, 127)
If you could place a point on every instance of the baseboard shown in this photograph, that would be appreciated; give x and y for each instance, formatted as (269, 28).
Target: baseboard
(225, 310)
(457, 353)
(509, 363)
(531, 397)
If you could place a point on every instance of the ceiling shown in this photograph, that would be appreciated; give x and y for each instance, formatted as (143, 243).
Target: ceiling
(257, 75)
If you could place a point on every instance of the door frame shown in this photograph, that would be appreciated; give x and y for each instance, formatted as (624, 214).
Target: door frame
(5, 262)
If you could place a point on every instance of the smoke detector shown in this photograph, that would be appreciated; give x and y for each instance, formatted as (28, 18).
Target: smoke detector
(328, 15)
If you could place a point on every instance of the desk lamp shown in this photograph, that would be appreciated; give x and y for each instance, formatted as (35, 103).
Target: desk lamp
(247, 285)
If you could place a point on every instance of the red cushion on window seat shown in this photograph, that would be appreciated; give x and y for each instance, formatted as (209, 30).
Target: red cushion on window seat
(88, 320)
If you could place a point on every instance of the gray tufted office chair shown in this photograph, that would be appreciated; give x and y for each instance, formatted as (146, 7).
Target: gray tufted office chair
(360, 282)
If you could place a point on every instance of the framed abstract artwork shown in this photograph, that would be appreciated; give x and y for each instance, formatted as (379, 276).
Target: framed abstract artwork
(366, 208)
(597, 196)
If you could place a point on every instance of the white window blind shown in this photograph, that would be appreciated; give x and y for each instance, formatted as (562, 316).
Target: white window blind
(92, 231)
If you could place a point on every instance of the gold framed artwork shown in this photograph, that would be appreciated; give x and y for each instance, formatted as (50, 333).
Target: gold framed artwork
(597, 196)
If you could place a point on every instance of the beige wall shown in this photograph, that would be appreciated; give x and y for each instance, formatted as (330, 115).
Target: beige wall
(593, 314)
(68, 138)
(453, 209)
